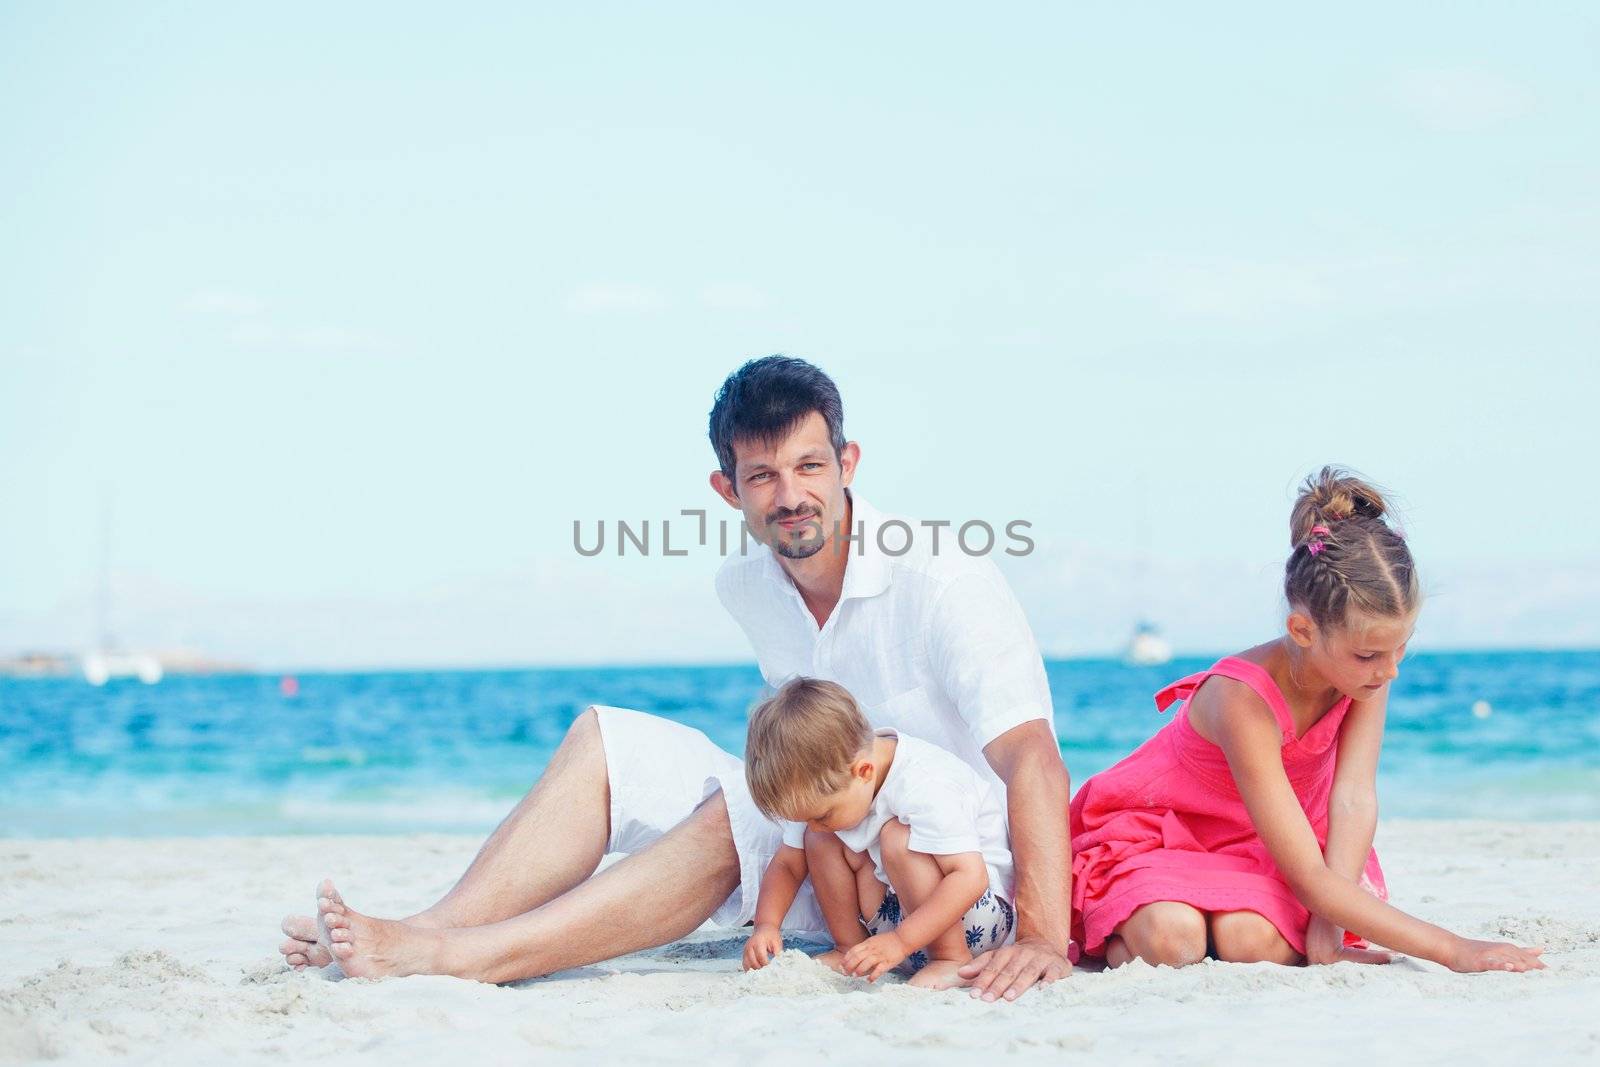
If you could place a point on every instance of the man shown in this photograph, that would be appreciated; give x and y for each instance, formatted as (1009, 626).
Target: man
(929, 641)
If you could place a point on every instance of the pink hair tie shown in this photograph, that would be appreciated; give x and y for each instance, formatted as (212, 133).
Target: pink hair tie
(1314, 543)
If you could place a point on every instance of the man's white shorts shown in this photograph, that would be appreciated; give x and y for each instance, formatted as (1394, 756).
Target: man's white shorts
(659, 772)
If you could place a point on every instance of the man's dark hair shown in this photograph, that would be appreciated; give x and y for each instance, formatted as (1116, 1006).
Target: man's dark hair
(765, 400)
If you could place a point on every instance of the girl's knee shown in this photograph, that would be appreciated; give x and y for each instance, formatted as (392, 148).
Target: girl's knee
(1249, 937)
(1166, 932)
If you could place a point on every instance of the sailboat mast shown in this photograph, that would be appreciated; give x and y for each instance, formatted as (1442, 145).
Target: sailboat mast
(103, 597)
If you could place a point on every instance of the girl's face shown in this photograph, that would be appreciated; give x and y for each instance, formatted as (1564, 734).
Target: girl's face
(1360, 658)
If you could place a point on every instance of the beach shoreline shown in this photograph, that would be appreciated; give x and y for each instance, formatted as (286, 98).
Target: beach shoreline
(146, 948)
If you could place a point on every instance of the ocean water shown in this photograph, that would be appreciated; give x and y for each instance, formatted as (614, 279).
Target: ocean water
(452, 750)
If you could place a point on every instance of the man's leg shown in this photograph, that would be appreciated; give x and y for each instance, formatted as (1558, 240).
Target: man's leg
(655, 896)
(552, 840)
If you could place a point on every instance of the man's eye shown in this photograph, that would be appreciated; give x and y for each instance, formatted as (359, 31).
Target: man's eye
(758, 477)
(808, 466)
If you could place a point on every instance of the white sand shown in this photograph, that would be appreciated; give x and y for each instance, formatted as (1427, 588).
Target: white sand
(162, 951)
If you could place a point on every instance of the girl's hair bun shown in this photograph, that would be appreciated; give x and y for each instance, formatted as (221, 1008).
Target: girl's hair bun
(1333, 495)
(1345, 558)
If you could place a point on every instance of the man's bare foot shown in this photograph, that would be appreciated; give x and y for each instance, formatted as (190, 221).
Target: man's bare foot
(365, 947)
(304, 947)
(939, 974)
(833, 959)
(307, 946)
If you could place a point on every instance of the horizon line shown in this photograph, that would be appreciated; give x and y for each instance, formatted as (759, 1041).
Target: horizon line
(1109, 656)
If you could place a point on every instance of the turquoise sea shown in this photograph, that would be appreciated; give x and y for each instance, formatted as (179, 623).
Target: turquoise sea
(451, 750)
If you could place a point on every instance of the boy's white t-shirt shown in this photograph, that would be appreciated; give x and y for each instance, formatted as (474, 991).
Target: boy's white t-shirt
(948, 807)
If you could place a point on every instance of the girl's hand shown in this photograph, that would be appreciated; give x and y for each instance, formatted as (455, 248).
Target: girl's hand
(1324, 941)
(1470, 956)
(876, 956)
(765, 942)
(1325, 944)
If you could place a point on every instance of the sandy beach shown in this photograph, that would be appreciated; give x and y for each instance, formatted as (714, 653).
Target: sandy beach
(162, 950)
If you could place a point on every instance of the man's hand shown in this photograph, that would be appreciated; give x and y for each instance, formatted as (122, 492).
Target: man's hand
(766, 941)
(876, 956)
(1012, 970)
(1028, 759)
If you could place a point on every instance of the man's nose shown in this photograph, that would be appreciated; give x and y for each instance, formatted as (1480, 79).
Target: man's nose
(787, 493)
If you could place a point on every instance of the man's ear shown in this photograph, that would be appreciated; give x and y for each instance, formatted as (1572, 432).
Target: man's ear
(1302, 631)
(723, 485)
(849, 456)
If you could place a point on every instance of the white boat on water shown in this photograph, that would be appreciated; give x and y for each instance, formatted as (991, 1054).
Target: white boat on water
(106, 660)
(1147, 648)
(102, 666)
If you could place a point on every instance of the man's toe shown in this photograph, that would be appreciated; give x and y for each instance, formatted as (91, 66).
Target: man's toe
(300, 927)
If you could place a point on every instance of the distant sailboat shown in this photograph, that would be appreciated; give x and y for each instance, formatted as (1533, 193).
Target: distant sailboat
(106, 661)
(100, 666)
(1147, 648)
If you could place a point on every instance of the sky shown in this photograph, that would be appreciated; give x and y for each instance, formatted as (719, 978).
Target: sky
(340, 316)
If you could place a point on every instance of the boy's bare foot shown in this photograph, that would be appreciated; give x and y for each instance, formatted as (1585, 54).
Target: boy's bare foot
(365, 947)
(833, 959)
(939, 974)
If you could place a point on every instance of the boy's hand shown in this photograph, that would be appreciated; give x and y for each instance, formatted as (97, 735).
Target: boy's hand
(766, 941)
(876, 956)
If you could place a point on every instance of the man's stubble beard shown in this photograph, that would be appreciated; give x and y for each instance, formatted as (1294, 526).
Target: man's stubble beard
(811, 540)
(804, 548)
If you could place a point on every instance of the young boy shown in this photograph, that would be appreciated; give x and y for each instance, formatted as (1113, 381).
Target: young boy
(906, 846)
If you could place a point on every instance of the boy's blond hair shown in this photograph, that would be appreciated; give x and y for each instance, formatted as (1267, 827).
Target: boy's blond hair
(801, 743)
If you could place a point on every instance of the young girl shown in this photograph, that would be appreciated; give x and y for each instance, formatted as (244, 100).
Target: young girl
(1244, 827)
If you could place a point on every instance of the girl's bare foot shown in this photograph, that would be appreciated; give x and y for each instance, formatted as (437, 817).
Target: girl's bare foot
(365, 947)
(833, 959)
(939, 974)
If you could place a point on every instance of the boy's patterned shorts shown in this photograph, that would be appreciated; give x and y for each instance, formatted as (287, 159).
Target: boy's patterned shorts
(988, 923)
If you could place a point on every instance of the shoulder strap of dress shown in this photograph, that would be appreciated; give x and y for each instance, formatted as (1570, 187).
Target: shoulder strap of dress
(1182, 689)
(1252, 675)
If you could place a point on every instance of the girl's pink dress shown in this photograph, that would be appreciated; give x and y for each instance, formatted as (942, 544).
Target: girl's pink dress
(1167, 823)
